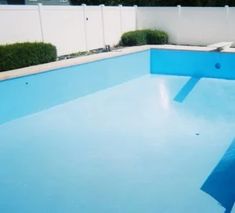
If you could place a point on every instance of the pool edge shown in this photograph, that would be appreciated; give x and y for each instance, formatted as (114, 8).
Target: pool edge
(6, 75)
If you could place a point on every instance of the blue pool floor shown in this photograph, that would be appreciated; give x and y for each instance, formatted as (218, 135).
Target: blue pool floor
(132, 148)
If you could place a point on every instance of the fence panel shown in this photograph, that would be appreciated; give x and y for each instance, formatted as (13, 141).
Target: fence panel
(163, 18)
(112, 25)
(63, 26)
(190, 25)
(80, 28)
(19, 23)
(202, 25)
(70, 28)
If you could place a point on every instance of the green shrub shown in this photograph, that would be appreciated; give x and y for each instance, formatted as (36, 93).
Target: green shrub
(18, 55)
(156, 37)
(142, 37)
(133, 38)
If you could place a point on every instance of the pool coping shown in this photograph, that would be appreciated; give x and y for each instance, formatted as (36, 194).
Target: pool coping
(95, 57)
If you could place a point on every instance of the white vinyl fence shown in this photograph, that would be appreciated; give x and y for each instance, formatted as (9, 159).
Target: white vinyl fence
(190, 25)
(80, 28)
(70, 28)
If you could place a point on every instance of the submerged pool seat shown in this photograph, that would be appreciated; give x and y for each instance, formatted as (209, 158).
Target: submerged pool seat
(221, 182)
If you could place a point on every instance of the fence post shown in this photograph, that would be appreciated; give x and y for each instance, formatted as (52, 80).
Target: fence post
(102, 23)
(178, 23)
(136, 17)
(226, 11)
(85, 25)
(227, 22)
(120, 14)
(41, 21)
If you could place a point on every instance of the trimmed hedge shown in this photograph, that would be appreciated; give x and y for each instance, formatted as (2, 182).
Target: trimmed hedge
(18, 55)
(142, 37)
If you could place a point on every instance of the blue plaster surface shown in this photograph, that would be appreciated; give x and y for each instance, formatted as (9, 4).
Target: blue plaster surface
(193, 63)
(128, 148)
(221, 182)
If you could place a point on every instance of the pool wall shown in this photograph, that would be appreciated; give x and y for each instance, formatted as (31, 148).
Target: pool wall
(193, 63)
(33, 93)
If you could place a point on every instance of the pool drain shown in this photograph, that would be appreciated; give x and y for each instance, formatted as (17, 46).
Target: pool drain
(217, 66)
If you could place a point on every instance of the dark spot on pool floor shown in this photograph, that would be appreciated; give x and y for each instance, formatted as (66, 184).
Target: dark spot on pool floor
(197, 134)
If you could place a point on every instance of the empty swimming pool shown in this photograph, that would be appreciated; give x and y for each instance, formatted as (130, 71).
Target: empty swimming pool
(118, 135)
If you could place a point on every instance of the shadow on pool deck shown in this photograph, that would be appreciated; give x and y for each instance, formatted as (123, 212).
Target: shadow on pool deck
(221, 183)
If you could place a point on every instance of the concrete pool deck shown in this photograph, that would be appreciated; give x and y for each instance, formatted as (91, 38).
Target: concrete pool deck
(95, 57)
